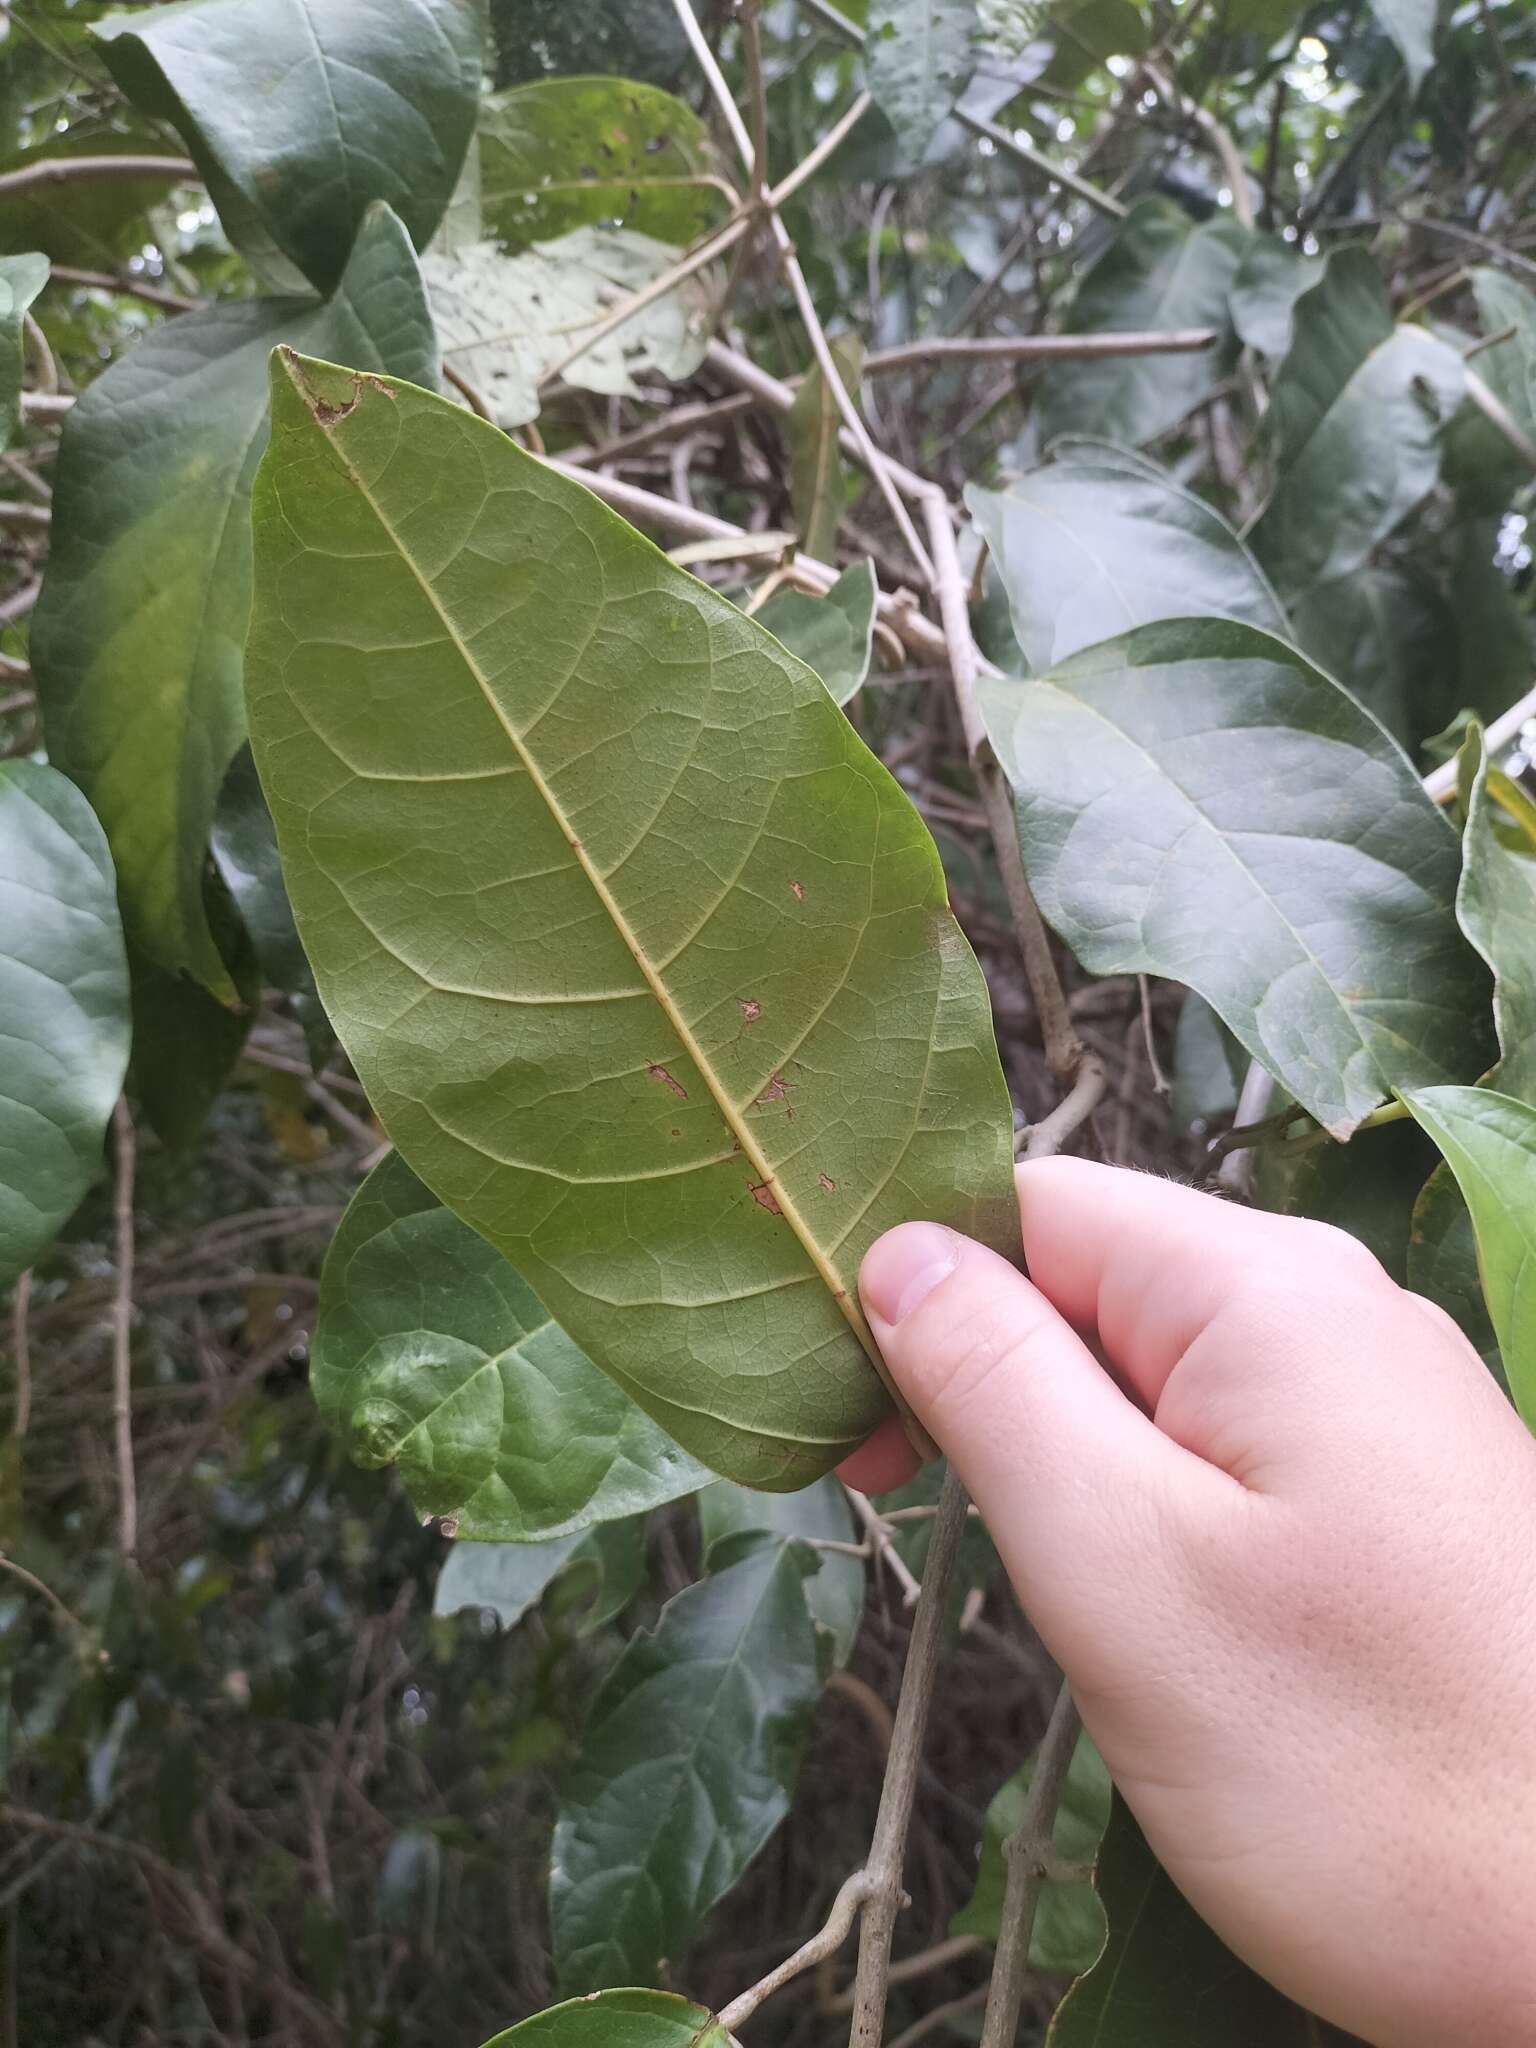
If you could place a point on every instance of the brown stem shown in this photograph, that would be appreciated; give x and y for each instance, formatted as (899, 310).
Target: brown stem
(1039, 348)
(126, 287)
(122, 1328)
(62, 170)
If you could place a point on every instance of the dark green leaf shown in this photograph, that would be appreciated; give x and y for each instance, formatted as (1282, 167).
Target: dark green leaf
(137, 638)
(1387, 634)
(1366, 1187)
(835, 1593)
(1088, 33)
(1480, 465)
(1270, 279)
(627, 38)
(185, 1042)
(21, 279)
(508, 748)
(835, 634)
(594, 152)
(1355, 418)
(244, 848)
(1069, 1921)
(1161, 272)
(1496, 903)
(601, 1577)
(1442, 1263)
(505, 322)
(302, 113)
(1164, 1979)
(431, 1354)
(1197, 801)
(1495, 654)
(917, 56)
(1091, 545)
(687, 1766)
(1208, 1067)
(505, 1579)
(617, 2019)
(1489, 1143)
(64, 999)
(818, 487)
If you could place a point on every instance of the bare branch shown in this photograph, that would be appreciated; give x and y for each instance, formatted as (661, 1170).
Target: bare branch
(1440, 786)
(880, 1540)
(827, 1940)
(126, 287)
(1038, 348)
(63, 170)
(1029, 1856)
(44, 406)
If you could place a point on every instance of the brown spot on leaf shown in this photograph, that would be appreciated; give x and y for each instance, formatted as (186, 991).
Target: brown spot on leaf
(676, 1131)
(659, 1073)
(774, 1092)
(828, 1186)
(749, 1008)
(799, 889)
(763, 1195)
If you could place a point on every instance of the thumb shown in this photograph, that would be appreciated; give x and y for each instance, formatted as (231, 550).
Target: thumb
(1077, 1485)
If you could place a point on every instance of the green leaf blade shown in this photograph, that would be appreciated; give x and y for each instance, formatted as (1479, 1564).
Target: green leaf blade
(64, 997)
(431, 1353)
(835, 634)
(617, 2019)
(688, 1764)
(150, 574)
(834, 1594)
(611, 749)
(918, 53)
(1196, 800)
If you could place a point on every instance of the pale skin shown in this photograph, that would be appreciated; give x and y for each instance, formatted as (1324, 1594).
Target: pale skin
(1282, 1541)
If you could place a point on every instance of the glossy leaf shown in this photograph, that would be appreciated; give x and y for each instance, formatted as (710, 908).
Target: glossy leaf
(835, 634)
(1489, 1143)
(64, 1001)
(431, 1354)
(834, 1593)
(1271, 277)
(1164, 1977)
(1367, 1187)
(136, 641)
(244, 847)
(1496, 904)
(1387, 634)
(1355, 417)
(617, 2019)
(1411, 25)
(21, 279)
(505, 322)
(569, 153)
(1069, 1921)
(687, 1765)
(1197, 801)
(818, 484)
(917, 57)
(1161, 272)
(300, 114)
(1091, 545)
(1442, 1263)
(644, 961)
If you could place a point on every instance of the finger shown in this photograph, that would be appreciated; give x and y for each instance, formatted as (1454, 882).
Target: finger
(1078, 1486)
(883, 1461)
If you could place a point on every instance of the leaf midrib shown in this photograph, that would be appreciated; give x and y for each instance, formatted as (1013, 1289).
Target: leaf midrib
(734, 1121)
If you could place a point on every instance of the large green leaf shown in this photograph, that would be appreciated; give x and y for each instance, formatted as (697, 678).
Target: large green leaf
(835, 634)
(570, 153)
(1161, 272)
(687, 1765)
(1069, 1921)
(431, 1354)
(1091, 545)
(1196, 800)
(1387, 634)
(1164, 1979)
(1355, 419)
(21, 279)
(644, 960)
(136, 641)
(617, 2019)
(302, 113)
(918, 55)
(835, 1593)
(1489, 1143)
(1496, 903)
(1270, 279)
(506, 321)
(64, 1002)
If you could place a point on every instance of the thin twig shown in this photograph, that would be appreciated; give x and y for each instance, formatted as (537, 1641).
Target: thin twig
(1440, 785)
(1038, 348)
(36, 1585)
(13, 512)
(825, 1942)
(884, 1549)
(1234, 170)
(21, 1351)
(1028, 1855)
(62, 170)
(122, 1328)
(887, 1852)
(125, 287)
(1499, 417)
(45, 405)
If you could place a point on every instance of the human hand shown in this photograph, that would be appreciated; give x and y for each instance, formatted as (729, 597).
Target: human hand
(1287, 1570)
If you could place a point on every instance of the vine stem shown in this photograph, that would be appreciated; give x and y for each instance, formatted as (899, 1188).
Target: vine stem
(1028, 1855)
(122, 1325)
(61, 170)
(887, 1852)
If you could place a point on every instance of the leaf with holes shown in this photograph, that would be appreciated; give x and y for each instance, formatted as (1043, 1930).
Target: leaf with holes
(618, 2019)
(568, 153)
(505, 322)
(137, 637)
(64, 999)
(1196, 800)
(1098, 541)
(432, 1355)
(300, 114)
(687, 1766)
(645, 961)
(835, 634)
